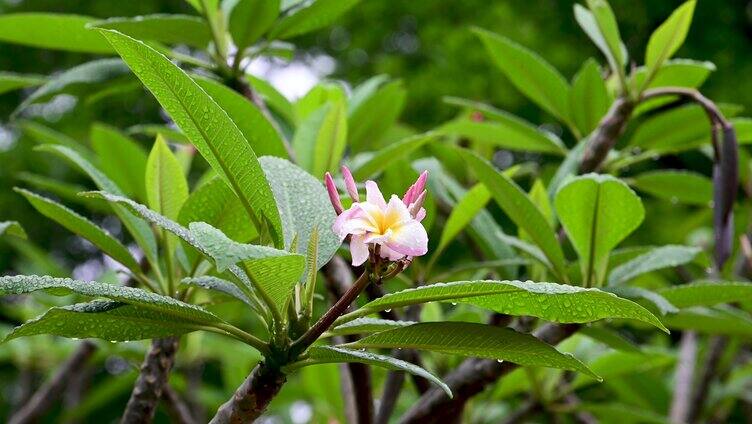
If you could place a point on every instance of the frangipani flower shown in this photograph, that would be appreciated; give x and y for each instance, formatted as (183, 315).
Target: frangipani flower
(393, 226)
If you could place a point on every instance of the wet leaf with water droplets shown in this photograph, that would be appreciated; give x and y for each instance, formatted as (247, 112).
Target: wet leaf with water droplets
(549, 301)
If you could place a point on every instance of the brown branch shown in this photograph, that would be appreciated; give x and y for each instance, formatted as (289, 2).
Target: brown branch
(330, 316)
(472, 377)
(684, 378)
(45, 397)
(605, 136)
(179, 411)
(152, 379)
(339, 280)
(252, 397)
(262, 385)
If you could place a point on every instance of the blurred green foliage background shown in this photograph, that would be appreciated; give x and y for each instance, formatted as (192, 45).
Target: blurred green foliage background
(427, 44)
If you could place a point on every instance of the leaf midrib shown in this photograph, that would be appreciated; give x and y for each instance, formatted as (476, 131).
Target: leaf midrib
(229, 175)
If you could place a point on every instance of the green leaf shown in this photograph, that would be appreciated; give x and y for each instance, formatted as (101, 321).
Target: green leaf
(140, 232)
(383, 157)
(478, 340)
(250, 19)
(121, 158)
(339, 354)
(175, 309)
(217, 284)
(714, 321)
(331, 140)
(589, 99)
(613, 365)
(207, 126)
(610, 338)
(676, 73)
(226, 252)
(550, 301)
(655, 259)
(707, 293)
(256, 128)
(79, 80)
(622, 412)
(10, 81)
(372, 114)
(519, 208)
(316, 15)
(276, 277)
(320, 140)
(598, 212)
(600, 25)
(113, 321)
(12, 228)
(215, 203)
(321, 94)
(62, 190)
(527, 71)
(629, 292)
(679, 129)
(505, 129)
(45, 135)
(181, 232)
(52, 31)
(164, 28)
(276, 101)
(152, 130)
(462, 214)
(676, 186)
(166, 188)
(367, 325)
(304, 206)
(83, 227)
(512, 134)
(668, 37)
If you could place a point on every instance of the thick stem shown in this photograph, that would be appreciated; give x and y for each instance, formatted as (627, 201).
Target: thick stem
(339, 279)
(330, 316)
(684, 377)
(252, 397)
(152, 379)
(603, 138)
(472, 377)
(50, 392)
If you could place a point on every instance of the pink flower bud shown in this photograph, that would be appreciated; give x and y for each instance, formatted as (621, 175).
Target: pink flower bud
(420, 183)
(352, 189)
(408, 197)
(333, 194)
(418, 204)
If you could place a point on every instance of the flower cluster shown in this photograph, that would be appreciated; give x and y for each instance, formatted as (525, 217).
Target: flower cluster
(393, 229)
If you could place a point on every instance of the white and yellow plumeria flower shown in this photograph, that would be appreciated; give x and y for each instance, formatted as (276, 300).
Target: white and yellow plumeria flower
(394, 226)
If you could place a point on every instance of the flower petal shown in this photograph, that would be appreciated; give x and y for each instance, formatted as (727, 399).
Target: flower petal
(396, 212)
(358, 250)
(410, 239)
(374, 196)
(352, 221)
(386, 252)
